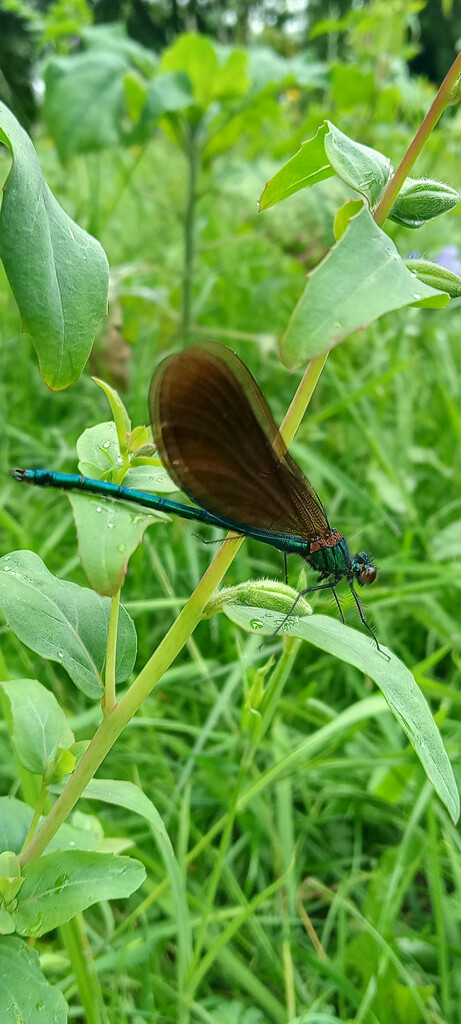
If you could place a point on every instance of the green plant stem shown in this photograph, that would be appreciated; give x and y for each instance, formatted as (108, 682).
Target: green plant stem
(78, 950)
(36, 818)
(109, 698)
(443, 99)
(277, 680)
(302, 398)
(192, 150)
(438, 894)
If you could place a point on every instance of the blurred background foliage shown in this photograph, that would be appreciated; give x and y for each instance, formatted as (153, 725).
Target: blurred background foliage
(105, 89)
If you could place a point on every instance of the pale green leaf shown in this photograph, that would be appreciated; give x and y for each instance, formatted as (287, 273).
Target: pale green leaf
(58, 273)
(308, 166)
(60, 885)
(365, 170)
(26, 996)
(360, 279)
(39, 725)
(62, 621)
(397, 684)
(108, 533)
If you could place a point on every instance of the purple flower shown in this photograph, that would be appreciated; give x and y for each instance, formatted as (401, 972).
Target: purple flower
(449, 258)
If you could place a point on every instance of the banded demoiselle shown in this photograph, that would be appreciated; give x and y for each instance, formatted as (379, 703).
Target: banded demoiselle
(217, 438)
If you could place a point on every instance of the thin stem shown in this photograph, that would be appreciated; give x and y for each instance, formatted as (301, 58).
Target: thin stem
(445, 96)
(109, 698)
(277, 680)
(302, 398)
(86, 976)
(193, 160)
(36, 818)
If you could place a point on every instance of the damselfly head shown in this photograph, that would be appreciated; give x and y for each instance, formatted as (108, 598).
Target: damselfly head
(363, 569)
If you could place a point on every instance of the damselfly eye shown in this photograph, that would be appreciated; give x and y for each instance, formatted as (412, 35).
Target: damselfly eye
(368, 574)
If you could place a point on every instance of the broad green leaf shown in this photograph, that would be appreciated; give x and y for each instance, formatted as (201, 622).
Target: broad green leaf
(360, 279)
(268, 68)
(108, 533)
(26, 997)
(15, 821)
(150, 478)
(352, 87)
(135, 95)
(232, 79)
(436, 276)
(126, 794)
(62, 884)
(397, 684)
(165, 95)
(111, 37)
(84, 101)
(365, 170)
(58, 273)
(170, 92)
(194, 55)
(39, 725)
(62, 621)
(308, 166)
(330, 151)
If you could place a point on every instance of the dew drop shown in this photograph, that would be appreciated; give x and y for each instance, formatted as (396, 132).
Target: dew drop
(110, 526)
(106, 444)
(99, 509)
(121, 548)
(416, 295)
(256, 624)
(7, 568)
(120, 459)
(60, 654)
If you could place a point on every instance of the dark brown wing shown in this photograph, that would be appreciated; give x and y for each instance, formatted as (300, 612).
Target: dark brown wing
(219, 442)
